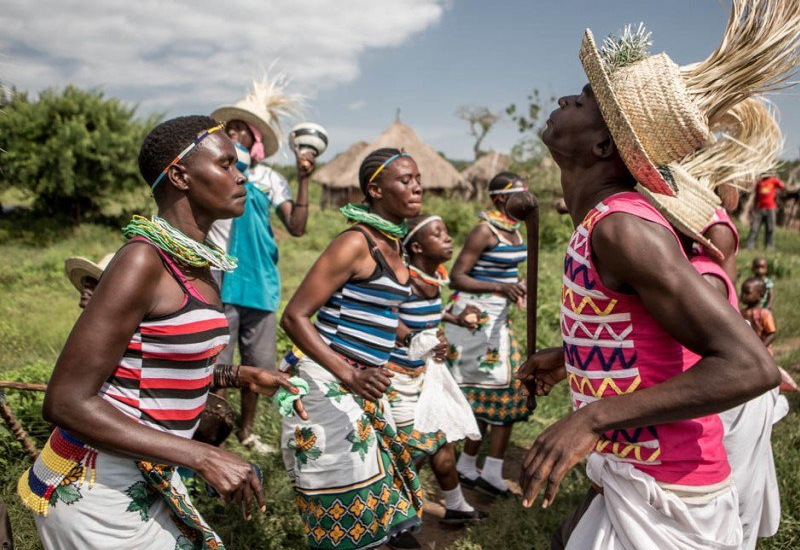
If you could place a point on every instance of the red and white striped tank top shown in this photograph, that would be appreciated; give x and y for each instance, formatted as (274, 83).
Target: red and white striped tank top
(164, 375)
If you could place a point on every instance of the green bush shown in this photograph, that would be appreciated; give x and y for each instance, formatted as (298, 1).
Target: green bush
(75, 150)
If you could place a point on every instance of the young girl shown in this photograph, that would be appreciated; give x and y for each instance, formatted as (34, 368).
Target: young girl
(354, 480)
(129, 387)
(483, 361)
(428, 246)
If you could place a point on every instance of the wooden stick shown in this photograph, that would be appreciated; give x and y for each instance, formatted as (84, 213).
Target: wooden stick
(525, 207)
(23, 386)
(16, 428)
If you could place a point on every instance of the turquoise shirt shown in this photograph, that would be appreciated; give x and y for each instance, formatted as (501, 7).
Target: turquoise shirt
(255, 283)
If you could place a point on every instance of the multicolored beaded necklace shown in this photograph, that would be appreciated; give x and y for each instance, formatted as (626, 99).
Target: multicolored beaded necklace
(442, 277)
(499, 220)
(360, 213)
(170, 240)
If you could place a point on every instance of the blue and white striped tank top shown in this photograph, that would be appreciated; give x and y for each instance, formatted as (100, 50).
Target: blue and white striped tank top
(417, 313)
(498, 264)
(360, 320)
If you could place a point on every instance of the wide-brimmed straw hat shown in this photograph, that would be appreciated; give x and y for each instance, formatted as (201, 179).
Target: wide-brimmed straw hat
(747, 142)
(659, 113)
(78, 268)
(648, 111)
(266, 102)
(691, 210)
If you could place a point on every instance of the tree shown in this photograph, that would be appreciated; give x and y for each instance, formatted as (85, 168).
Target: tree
(480, 120)
(73, 149)
(529, 150)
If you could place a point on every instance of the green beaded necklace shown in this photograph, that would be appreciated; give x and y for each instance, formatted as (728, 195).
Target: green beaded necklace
(360, 213)
(170, 240)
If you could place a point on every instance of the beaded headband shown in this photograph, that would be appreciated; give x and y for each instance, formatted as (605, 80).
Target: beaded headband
(185, 152)
(508, 189)
(419, 226)
(386, 163)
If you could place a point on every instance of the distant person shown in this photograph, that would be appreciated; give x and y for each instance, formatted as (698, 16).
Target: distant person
(85, 274)
(484, 360)
(760, 269)
(766, 206)
(252, 293)
(759, 317)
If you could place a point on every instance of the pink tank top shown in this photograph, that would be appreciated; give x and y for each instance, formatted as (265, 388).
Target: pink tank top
(720, 217)
(613, 346)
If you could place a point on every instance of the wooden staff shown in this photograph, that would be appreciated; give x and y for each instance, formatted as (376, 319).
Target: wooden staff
(525, 207)
(16, 428)
(23, 386)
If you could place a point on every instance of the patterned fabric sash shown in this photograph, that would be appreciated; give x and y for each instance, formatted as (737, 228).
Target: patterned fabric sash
(404, 472)
(159, 477)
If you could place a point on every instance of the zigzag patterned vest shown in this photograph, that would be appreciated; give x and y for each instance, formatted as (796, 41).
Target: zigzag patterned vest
(613, 346)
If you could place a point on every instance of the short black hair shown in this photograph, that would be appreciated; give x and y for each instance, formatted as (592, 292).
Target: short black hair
(758, 282)
(501, 180)
(372, 162)
(167, 140)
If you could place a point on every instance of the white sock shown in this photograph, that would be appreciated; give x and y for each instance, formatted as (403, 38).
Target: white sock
(466, 466)
(493, 472)
(454, 500)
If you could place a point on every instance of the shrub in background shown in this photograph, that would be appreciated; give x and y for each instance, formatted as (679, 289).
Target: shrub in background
(75, 150)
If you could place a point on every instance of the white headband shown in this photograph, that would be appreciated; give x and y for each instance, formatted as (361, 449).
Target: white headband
(419, 226)
(508, 191)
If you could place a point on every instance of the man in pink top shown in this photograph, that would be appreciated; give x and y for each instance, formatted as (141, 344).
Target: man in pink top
(631, 302)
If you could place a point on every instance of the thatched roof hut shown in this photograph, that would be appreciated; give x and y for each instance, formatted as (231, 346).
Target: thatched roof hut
(339, 178)
(480, 173)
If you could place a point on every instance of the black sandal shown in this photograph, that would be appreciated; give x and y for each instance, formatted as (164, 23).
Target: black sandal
(485, 487)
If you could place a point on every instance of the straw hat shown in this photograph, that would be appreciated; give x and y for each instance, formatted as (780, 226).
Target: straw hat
(266, 101)
(659, 113)
(691, 210)
(748, 143)
(78, 269)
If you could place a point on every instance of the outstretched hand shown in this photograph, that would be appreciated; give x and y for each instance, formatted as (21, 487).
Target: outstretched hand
(267, 382)
(234, 479)
(542, 370)
(553, 454)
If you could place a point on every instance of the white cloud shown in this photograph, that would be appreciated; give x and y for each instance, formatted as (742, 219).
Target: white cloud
(183, 56)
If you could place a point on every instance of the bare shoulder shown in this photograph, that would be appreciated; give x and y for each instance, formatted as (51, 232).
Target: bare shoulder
(629, 237)
(137, 259)
(479, 236)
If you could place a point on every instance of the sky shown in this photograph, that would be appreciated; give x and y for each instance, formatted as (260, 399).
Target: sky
(357, 61)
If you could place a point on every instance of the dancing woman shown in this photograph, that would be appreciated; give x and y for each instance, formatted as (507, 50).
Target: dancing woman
(354, 481)
(428, 245)
(483, 361)
(128, 389)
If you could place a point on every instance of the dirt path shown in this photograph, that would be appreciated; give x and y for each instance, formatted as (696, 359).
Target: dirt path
(434, 535)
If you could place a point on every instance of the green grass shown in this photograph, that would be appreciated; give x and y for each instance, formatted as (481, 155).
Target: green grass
(39, 307)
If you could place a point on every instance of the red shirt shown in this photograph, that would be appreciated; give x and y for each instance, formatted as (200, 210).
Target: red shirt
(767, 188)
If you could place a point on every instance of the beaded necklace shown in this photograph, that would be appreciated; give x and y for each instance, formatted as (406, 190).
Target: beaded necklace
(499, 220)
(170, 240)
(442, 277)
(360, 213)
